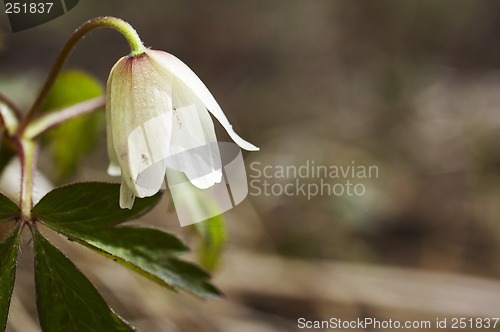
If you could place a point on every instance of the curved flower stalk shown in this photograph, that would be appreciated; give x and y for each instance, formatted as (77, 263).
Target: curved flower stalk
(157, 118)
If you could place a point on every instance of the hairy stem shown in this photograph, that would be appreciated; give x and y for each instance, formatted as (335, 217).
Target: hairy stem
(28, 152)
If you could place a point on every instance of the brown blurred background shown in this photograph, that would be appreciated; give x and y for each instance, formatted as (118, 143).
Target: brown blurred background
(409, 86)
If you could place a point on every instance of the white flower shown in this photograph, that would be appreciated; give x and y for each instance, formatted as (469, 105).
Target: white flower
(157, 117)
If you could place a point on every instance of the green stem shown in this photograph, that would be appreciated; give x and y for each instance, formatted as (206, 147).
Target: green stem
(55, 118)
(7, 102)
(28, 150)
(9, 115)
(136, 46)
(8, 120)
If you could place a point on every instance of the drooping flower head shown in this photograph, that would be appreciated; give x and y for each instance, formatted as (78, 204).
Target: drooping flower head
(157, 118)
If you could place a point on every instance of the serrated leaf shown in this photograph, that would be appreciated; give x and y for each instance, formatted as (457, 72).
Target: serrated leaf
(71, 141)
(66, 300)
(8, 209)
(213, 237)
(150, 253)
(87, 212)
(130, 240)
(89, 206)
(151, 257)
(8, 254)
(146, 251)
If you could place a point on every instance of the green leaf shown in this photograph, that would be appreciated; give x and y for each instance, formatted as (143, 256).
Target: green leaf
(89, 206)
(8, 209)
(213, 240)
(71, 141)
(146, 251)
(87, 212)
(150, 253)
(72, 87)
(66, 300)
(8, 254)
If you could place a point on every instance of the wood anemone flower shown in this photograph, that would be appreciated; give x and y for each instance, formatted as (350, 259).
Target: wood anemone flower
(158, 117)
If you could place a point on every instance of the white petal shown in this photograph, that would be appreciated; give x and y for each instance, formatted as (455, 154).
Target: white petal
(127, 196)
(207, 181)
(138, 151)
(190, 150)
(210, 171)
(180, 70)
(114, 169)
(114, 166)
(158, 132)
(118, 101)
(137, 94)
(149, 181)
